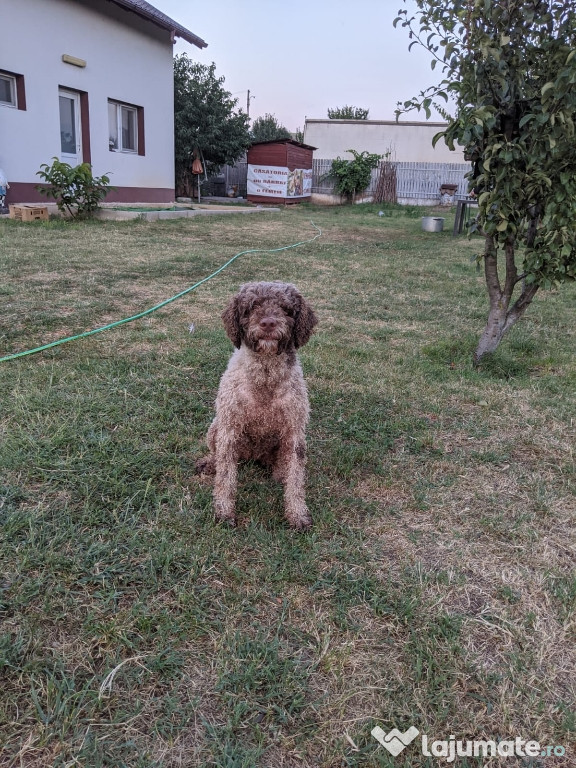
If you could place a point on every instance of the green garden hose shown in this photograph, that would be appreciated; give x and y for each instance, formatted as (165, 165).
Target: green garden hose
(162, 304)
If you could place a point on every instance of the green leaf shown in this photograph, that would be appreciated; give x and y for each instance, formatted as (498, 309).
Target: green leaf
(526, 119)
(484, 197)
(436, 138)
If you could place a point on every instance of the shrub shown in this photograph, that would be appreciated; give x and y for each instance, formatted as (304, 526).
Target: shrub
(353, 176)
(75, 189)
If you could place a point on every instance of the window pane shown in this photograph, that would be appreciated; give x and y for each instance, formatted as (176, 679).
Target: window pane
(67, 126)
(7, 90)
(128, 128)
(112, 126)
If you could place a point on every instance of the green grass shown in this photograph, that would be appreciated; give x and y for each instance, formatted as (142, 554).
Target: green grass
(436, 588)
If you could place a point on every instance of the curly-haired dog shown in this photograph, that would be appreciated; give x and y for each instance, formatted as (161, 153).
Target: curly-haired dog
(262, 404)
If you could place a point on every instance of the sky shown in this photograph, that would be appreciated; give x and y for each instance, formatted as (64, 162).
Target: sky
(302, 57)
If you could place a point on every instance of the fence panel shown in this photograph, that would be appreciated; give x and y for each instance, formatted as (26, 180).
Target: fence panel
(422, 181)
(320, 169)
(415, 181)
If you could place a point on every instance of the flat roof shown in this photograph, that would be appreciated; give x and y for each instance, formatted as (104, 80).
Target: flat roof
(374, 122)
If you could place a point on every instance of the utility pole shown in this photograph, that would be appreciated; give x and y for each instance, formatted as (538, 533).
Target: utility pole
(248, 103)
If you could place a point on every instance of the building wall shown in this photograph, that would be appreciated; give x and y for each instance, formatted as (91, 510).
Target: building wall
(128, 59)
(287, 155)
(405, 141)
(267, 154)
(298, 157)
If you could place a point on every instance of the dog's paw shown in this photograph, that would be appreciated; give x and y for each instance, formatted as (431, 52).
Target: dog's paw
(225, 512)
(301, 521)
(226, 520)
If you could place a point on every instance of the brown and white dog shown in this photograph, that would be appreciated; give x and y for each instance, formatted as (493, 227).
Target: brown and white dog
(262, 406)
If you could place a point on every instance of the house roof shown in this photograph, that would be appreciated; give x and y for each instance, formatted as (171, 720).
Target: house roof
(147, 11)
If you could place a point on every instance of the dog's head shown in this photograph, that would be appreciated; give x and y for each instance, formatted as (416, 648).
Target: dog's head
(269, 318)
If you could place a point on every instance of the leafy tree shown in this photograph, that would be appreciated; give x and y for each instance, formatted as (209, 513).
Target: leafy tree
(205, 121)
(299, 135)
(353, 176)
(268, 128)
(74, 188)
(509, 67)
(348, 113)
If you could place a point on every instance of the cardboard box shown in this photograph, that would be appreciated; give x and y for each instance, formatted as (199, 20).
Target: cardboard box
(29, 212)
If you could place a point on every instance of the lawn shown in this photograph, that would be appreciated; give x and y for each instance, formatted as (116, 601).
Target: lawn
(436, 588)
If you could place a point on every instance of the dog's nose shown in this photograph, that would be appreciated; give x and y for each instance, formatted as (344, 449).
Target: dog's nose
(268, 323)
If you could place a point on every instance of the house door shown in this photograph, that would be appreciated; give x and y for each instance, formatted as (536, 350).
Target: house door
(70, 131)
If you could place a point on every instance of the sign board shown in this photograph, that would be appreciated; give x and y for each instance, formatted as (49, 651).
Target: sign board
(276, 181)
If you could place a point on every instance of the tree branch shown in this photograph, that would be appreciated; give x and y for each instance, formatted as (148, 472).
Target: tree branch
(520, 305)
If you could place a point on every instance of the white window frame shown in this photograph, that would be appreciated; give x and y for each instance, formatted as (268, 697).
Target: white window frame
(12, 80)
(119, 106)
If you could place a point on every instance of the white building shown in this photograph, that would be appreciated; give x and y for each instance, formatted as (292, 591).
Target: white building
(89, 81)
(409, 142)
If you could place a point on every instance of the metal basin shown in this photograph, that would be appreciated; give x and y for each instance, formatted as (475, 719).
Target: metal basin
(432, 223)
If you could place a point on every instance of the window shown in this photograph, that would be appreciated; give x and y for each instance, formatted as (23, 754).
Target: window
(12, 93)
(8, 94)
(124, 128)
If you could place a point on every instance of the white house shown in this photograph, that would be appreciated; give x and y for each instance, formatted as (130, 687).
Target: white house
(89, 81)
(409, 142)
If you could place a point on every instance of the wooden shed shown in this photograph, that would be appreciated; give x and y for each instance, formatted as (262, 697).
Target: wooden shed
(280, 171)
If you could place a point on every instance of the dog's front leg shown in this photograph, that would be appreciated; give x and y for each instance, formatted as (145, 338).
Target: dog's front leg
(291, 468)
(226, 481)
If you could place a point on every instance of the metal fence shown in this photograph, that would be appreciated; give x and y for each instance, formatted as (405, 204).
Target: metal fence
(415, 182)
(422, 181)
(320, 181)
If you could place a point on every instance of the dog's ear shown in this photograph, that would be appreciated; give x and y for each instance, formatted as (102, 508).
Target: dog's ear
(231, 320)
(305, 323)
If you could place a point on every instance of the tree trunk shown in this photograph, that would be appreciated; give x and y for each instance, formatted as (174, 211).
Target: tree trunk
(501, 316)
(492, 335)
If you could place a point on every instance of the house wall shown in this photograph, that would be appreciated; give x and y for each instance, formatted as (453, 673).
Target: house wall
(406, 142)
(128, 59)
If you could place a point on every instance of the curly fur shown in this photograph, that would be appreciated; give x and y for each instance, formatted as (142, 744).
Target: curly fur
(262, 404)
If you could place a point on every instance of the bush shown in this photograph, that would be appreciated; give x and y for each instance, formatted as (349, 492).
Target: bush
(353, 176)
(75, 190)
